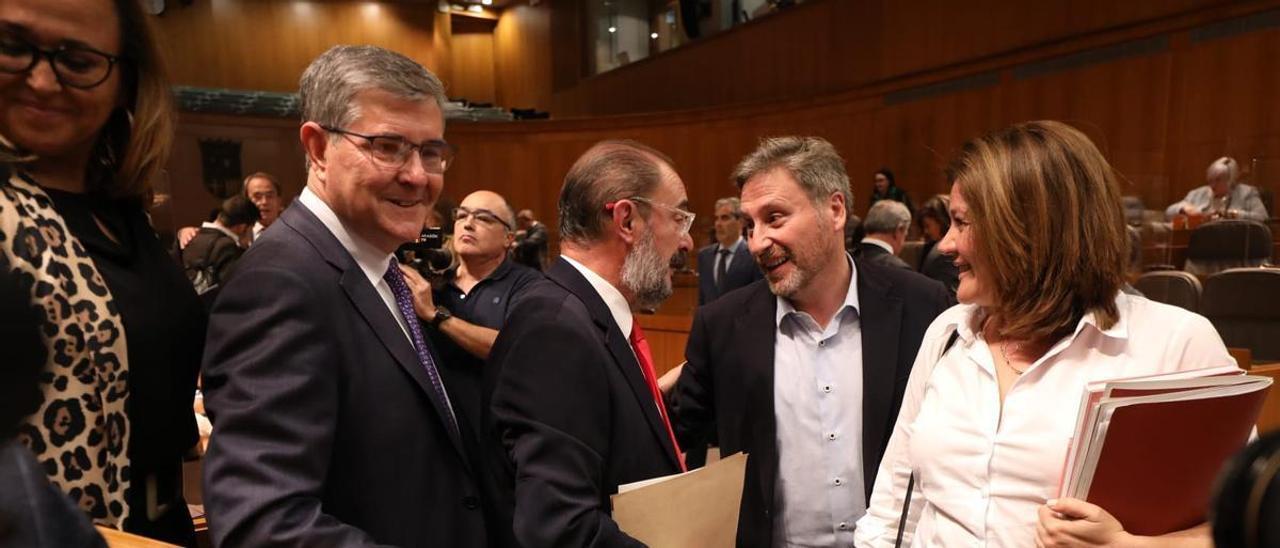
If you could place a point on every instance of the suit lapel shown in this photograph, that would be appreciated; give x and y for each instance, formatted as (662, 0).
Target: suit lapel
(371, 307)
(880, 318)
(619, 347)
(756, 360)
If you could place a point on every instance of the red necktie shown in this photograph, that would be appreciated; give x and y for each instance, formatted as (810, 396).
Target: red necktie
(641, 348)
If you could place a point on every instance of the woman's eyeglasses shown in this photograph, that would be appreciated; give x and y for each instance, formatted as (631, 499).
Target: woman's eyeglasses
(75, 66)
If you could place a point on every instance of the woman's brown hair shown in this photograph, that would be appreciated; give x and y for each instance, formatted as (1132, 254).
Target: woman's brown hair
(135, 151)
(1048, 227)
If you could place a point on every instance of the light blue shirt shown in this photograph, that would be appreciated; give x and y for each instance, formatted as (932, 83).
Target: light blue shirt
(817, 398)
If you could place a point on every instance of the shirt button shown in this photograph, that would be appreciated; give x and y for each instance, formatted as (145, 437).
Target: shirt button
(831, 436)
(822, 343)
(843, 526)
(839, 481)
(827, 389)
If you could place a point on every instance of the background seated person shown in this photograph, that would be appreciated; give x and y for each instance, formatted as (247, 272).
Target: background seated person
(1222, 197)
(886, 231)
(886, 188)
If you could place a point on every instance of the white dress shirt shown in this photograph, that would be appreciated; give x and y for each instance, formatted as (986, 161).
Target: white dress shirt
(372, 261)
(817, 399)
(258, 227)
(982, 473)
(618, 306)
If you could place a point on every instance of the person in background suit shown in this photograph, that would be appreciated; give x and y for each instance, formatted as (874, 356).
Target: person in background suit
(333, 428)
(575, 399)
(934, 220)
(805, 370)
(726, 264)
(531, 241)
(886, 225)
(217, 246)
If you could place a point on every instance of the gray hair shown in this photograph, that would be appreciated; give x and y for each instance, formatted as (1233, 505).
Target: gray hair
(886, 217)
(607, 172)
(1224, 165)
(735, 205)
(813, 162)
(333, 79)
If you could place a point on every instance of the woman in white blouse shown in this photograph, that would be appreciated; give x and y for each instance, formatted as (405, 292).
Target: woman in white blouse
(1038, 235)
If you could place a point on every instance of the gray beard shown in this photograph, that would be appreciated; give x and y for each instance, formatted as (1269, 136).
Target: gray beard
(645, 274)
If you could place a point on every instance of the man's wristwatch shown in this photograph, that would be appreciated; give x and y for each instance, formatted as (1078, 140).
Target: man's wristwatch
(442, 314)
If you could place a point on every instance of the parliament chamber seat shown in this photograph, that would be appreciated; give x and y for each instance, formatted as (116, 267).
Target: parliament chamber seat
(1244, 305)
(1229, 243)
(1171, 287)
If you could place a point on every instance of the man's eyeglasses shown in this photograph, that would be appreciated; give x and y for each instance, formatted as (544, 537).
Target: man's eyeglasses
(482, 216)
(75, 66)
(681, 217)
(392, 151)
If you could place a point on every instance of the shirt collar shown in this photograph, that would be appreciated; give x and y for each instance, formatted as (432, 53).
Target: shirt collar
(373, 262)
(878, 242)
(223, 230)
(972, 315)
(619, 308)
(850, 297)
(499, 273)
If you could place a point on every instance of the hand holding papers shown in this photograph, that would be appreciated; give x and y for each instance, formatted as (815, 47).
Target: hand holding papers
(1148, 449)
(696, 509)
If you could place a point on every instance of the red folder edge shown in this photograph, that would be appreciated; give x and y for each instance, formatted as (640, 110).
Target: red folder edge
(1159, 460)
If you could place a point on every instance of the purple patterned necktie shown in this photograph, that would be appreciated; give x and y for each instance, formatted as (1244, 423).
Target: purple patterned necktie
(404, 301)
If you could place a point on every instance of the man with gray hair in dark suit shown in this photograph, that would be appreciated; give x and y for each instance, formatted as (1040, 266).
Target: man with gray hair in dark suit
(332, 425)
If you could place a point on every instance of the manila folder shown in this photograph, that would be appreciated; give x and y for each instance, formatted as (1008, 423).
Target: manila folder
(697, 509)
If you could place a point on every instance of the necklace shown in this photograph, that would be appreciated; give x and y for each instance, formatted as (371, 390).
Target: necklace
(1009, 363)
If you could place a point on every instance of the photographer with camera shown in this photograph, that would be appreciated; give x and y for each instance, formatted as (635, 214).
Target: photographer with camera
(469, 303)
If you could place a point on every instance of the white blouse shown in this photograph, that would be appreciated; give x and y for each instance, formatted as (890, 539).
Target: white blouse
(981, 475)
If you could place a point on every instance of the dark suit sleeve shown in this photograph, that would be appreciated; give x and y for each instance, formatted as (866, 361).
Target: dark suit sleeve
(224, 256)
(693, 406)
(272, 394)
(536, 236)
(554, 423)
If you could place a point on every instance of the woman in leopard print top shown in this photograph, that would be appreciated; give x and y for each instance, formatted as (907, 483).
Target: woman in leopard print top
(86, 118)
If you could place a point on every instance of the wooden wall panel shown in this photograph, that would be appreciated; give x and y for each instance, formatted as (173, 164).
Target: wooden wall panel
(268, 144)
(522, 55)
(266, 44)
(1227, 91)
(472, 76)
(828, 46)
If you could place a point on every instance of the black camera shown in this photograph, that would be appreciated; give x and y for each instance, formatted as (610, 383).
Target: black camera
(429, 254)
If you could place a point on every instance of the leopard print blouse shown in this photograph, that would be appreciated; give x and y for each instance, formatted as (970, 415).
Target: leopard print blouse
(79, 434)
